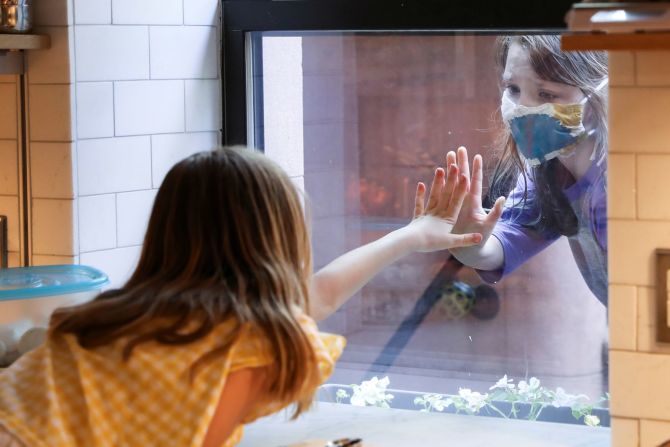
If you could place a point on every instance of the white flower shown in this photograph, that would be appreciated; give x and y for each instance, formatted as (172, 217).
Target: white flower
(592, 420)
(475, 401)
(530, 390)
(433, 401)
(341, 394)
(504, 384)
(371, 392)
(563, 399)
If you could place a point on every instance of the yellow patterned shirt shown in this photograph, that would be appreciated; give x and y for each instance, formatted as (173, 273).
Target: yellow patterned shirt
(63, 395)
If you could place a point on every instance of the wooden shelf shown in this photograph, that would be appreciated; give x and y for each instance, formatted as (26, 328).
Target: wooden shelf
(616, 41)
(24, 42)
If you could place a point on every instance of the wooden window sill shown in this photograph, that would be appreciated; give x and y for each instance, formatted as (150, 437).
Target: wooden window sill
(616, 41)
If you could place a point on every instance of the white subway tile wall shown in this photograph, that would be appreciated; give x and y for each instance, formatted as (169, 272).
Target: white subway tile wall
(203, 102)
(639, 222)
(133, 209)
(117, 263)
(183, 52)
(148, 94)
(111, 165)
(148, 12)
(148, 107)
(127, 89)
(93, 12)
(97, 222)
(95, 109)
(201, 12)
(111, 53)
(168, 149)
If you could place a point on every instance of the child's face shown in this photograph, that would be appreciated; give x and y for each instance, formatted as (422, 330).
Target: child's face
(523, 86)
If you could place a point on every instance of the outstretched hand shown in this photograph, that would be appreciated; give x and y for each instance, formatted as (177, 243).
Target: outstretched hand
(434, 221)
(473, 217)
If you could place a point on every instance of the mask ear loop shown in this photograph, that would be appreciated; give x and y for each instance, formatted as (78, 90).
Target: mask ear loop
(602, 84)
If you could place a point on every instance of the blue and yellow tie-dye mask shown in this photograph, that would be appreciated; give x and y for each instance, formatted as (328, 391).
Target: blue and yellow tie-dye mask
(546, 131)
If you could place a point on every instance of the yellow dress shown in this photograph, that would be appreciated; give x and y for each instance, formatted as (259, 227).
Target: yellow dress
(63, 395)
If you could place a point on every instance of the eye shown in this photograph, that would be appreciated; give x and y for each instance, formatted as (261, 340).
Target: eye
(512, 89)
(547, 96)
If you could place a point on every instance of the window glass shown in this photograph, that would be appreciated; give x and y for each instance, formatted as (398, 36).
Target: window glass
(357, 120)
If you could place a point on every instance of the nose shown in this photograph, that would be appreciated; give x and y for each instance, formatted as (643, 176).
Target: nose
(527, 100)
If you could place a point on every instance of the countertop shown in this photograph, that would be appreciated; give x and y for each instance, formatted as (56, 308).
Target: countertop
(380, 427)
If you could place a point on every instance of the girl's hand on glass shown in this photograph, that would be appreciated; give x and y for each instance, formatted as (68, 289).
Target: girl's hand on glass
(473, 217)
(433, 221)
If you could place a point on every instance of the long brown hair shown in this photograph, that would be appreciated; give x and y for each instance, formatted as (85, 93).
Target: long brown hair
(226, 241)
(583, 69)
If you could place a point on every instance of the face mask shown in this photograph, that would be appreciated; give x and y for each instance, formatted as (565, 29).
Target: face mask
(546, 131)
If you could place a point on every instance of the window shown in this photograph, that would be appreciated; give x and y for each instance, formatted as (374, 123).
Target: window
(358, 107)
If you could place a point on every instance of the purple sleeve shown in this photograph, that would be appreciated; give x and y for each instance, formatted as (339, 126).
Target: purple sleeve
(519, 240)
(598, 208)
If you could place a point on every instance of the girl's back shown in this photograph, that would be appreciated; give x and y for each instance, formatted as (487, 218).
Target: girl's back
(221, 286)
(62, 394)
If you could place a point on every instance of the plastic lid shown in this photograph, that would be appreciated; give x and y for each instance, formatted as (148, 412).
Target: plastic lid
(33, 282)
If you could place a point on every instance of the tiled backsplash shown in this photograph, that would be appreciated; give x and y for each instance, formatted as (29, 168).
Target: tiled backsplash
(639, 222)
(127, 89)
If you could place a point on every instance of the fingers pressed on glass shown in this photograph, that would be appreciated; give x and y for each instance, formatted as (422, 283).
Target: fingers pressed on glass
(463, 164)
(435, 189)
(451, 158)
(457, 197)
(448, 189)
(477, 176)
(419, 199)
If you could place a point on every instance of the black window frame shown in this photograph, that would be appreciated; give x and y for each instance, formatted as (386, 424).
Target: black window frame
(240, 17)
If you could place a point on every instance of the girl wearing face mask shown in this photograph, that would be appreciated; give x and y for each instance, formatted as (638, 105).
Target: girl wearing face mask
(552, 164)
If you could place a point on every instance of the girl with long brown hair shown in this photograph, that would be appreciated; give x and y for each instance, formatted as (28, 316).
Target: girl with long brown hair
(215, 326)
(552, 163)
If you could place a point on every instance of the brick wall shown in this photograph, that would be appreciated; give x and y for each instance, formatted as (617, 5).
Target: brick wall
(639, 222)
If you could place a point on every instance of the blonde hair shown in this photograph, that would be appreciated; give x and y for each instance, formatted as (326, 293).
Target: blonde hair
(226, 241)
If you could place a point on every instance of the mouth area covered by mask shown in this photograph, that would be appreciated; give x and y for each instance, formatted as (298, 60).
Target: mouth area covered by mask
(546, 131)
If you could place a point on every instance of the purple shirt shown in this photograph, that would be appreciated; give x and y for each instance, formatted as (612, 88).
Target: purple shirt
(520, 241)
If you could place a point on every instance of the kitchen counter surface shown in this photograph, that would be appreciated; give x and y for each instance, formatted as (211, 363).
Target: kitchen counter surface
(380, 427)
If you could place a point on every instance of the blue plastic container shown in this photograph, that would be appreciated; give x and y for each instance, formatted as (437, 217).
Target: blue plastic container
(28, 297)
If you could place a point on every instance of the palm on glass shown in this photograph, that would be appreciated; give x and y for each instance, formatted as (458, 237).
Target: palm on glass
(473, 217)
(434, 221)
